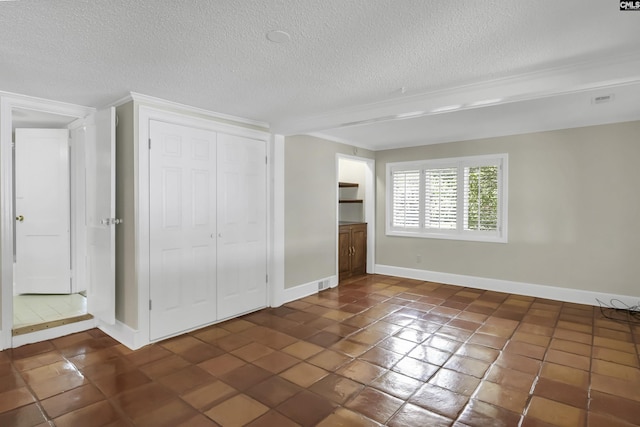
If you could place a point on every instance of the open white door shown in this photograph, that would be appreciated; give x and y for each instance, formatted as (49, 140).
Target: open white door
(43, 260)
(101, 221)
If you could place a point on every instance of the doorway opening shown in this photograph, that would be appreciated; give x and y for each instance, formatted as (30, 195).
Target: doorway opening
(48, 239)
(355, 181)
(90, 210)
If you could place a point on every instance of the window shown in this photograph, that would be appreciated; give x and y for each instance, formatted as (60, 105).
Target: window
(461, 198)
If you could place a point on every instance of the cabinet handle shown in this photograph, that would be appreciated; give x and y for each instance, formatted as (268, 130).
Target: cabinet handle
(353, 252)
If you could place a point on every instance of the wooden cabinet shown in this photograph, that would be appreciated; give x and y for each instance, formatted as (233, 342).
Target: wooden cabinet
(352, 244)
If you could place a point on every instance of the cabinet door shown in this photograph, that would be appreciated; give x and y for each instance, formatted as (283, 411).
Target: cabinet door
(359, 251)
(344, 258)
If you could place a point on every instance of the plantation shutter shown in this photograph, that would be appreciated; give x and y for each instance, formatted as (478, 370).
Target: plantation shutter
(460, 198)
(406, 199)
(440, 191)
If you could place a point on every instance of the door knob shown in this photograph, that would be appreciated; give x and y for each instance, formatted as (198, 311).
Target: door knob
(20, 218)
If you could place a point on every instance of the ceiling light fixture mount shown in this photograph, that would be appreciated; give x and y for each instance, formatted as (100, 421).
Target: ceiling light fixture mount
(278, 36)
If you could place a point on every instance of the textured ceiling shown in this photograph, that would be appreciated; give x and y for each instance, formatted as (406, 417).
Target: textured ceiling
(345, 58)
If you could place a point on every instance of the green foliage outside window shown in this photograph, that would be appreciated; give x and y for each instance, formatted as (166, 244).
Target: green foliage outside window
(482, 198)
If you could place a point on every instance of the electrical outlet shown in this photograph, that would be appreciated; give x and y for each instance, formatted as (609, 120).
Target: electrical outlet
(419, 259)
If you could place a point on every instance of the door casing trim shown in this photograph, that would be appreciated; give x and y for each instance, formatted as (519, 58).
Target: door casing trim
(145, 114)
(7, 103)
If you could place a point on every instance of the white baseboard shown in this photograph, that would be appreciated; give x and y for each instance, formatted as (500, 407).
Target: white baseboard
(133, 339)
(124, 334)
(296, 292)
(57, 332)
(578, 296)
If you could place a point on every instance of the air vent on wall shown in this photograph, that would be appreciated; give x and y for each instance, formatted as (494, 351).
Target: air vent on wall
(602, 99)
(323, 284)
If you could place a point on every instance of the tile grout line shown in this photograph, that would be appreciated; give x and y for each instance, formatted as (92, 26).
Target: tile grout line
(527, 405)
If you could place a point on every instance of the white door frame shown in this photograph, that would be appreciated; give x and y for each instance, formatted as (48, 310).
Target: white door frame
(276, 225)
(7, 103)
(369, 210)
(141, 190)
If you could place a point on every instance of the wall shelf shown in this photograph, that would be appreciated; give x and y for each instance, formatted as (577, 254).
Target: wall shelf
(347, 184)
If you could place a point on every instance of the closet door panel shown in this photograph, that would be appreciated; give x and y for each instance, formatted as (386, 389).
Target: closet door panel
(182, 228)
(242, 243)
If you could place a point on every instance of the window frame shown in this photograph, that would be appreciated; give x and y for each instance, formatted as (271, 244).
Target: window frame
(459, 233)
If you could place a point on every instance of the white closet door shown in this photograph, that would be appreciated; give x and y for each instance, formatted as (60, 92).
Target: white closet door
(182, 228)
(242, 244)
(43, 251)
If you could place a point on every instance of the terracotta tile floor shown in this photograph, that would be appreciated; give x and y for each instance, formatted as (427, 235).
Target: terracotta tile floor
(375, 351)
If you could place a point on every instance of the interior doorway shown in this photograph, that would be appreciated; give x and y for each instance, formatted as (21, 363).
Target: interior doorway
(359, 173)
(48, 165)
(91, 203)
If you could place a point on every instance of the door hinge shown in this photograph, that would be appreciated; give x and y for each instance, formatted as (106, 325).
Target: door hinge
(266, 160)
(149, 143)
(267, 278)
(149, 305)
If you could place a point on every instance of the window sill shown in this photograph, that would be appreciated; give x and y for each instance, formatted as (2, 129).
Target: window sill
(449, 236)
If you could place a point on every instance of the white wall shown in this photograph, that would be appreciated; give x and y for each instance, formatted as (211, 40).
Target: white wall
(573, 212)
(310, 207)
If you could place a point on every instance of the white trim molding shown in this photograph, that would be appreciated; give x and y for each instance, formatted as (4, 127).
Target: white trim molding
(163, 103)
(304, 290)
(578, 296)
(602, 73)
(123, 333)
(276, 264)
